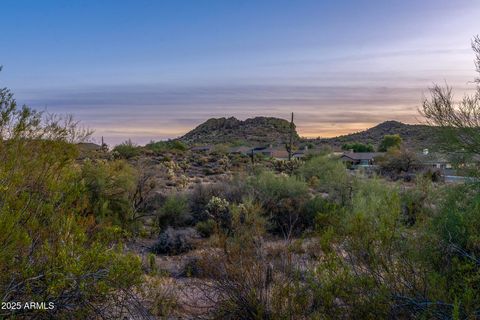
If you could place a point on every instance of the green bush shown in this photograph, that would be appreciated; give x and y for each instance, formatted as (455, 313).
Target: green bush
(282, 198)
(328, 175)
(205, 228)
(174, 242)
(51, 246)
(323, 213)
(163, 146)
(174, 212)
(361, 272)
(455, 263)
(110, 187)
(233, 191)
(126, 150)
(418, 202)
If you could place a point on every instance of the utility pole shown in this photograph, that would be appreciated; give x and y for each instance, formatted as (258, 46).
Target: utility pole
(290, 147)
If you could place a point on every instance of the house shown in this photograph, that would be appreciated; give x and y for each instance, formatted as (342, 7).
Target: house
(435, 161)
(360, 158)
(279, 154)
(265, 151)
(270, 152)
(299, 154)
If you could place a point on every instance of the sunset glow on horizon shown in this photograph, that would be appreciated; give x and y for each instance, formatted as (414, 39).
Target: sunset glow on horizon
(151, 70)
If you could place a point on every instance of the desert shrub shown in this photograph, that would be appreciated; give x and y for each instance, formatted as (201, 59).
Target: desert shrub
(243, 281)
(220, 149)
(218, 211)
(169, 145)
(126, 150)
(51, 247)
(453, 253)
(383, 262)
(371, 238)
(191, 268)
(433, 175)
(153, 201)
(174, 241)
(322, 213)
(199, 198)
(174, 212)
(386, 268)
(328, 175)
(282, 198)
(233, 191)
(288, 167)
(209, 171)
(205, 228)
(160, 297)
(418, 202)
(110, 187)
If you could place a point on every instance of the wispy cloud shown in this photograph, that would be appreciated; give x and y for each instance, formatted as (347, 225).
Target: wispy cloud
(155, 112)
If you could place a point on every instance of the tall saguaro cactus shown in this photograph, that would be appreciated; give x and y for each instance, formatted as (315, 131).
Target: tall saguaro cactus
(290, 142)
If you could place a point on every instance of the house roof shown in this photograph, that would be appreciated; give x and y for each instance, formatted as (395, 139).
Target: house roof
(362, 155)
(433, 157)
(281, 154)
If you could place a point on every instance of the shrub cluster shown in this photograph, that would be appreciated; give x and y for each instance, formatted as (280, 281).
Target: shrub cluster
(60, 220)
(174, 241)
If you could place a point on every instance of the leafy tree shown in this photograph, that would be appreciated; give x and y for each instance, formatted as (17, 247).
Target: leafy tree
(399, 160)
(174, 212)
(390, 141)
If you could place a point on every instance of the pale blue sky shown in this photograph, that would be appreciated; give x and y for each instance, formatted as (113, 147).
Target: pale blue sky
(154, 69)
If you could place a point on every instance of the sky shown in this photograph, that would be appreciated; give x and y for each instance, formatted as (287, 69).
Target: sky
(151, 70)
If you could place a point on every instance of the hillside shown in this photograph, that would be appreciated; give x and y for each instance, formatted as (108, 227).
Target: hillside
(414, 136)
(269, 130)
(258, 130)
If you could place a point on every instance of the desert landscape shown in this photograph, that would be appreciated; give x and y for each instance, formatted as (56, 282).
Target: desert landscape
(207, 170)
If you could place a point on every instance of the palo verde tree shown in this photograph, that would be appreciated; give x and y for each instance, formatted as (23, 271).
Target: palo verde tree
(51, 248)
(459, 121)
(390, 141)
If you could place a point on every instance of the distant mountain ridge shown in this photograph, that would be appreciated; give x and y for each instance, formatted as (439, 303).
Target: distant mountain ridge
(258, 130)
(414, 136)
(270, 130)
